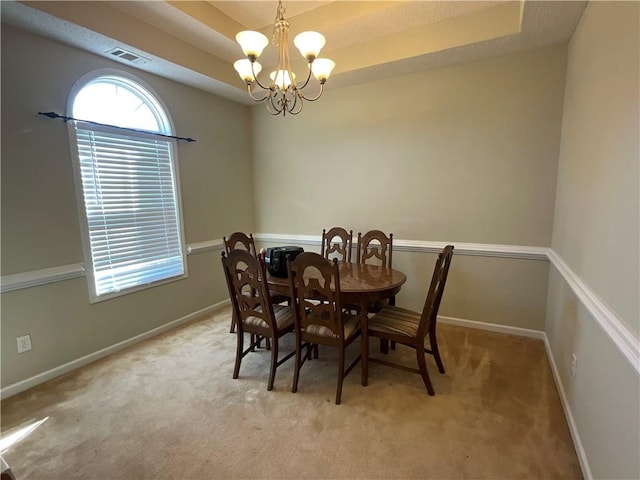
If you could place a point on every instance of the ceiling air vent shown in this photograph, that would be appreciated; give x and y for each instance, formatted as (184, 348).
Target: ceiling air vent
(128, 56)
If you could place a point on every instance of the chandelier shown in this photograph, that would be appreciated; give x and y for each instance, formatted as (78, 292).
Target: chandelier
(283, 94)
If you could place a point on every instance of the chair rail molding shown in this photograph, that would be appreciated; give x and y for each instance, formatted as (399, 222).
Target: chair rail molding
(621, 336)
(43, 276)
(524, 252)
(289, 238)
(33, 278)
(207, 246)
(477, 249)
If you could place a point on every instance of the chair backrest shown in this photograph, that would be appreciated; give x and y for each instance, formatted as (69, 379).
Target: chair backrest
(247, 282)
(240, 241)
(337, 241)
(436, 289)
(315, 286)
(375, 247)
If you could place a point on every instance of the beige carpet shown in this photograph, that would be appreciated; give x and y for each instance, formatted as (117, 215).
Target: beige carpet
(169, 409)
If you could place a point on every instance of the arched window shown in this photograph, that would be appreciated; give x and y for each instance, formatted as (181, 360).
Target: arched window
(129, 182)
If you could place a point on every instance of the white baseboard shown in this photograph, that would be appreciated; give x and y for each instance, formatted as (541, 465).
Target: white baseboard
(92, 357)
(573, 428)
(493, 327)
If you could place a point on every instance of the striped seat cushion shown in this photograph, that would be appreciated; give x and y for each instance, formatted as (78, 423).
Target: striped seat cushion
(351, 326)
(284, 318)
(395, 320)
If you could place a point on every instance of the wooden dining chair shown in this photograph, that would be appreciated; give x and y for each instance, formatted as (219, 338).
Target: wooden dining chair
(242, 241)
(255, 313)
(320, 320)
(411, 328)
(338, 241)
(376, 248)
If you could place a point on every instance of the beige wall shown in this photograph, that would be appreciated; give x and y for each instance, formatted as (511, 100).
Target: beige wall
(596, 231)
(466, 153)
(40, 224)
(460, 154)
(596, 221)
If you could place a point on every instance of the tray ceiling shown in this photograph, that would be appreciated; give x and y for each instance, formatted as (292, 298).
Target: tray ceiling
(193, 42)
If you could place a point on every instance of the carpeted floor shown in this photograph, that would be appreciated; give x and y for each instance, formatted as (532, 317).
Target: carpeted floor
(168, 408)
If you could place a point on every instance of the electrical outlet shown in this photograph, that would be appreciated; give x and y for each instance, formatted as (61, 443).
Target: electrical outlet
(574, 364)
(24, 343)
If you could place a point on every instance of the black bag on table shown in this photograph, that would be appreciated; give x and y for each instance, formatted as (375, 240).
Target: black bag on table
(276, 259)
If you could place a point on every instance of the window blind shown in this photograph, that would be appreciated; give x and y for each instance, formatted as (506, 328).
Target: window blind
(129, 189)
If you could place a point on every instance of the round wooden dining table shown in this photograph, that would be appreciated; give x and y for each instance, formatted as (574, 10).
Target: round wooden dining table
(360, 284)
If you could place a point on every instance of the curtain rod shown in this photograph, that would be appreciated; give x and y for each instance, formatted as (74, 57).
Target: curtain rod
(66, 119)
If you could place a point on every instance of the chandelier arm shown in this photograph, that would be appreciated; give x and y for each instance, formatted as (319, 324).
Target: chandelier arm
(271, 109)
(295, 95)
(308, 77)
(316, 97)
(261, 85)
(293, 111)
(255, 77)
(274, 109)
(267, 93)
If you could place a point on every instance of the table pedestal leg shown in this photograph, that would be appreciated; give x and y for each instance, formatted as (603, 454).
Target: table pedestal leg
(364, 320)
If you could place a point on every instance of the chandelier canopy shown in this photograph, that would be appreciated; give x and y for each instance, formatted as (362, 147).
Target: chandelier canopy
(283, 94)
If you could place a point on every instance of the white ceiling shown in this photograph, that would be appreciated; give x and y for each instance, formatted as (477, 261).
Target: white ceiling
(194, 42)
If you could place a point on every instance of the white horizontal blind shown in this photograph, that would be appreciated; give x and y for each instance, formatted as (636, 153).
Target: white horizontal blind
(131, 205)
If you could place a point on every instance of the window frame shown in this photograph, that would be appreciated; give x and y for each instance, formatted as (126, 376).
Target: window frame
(149, 93)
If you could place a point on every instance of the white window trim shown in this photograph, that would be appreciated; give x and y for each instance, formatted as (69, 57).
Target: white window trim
(77, 175)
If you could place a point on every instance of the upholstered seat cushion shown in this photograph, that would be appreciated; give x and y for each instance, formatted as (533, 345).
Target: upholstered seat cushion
(351, 326)
(284, 318)
(395, 320)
